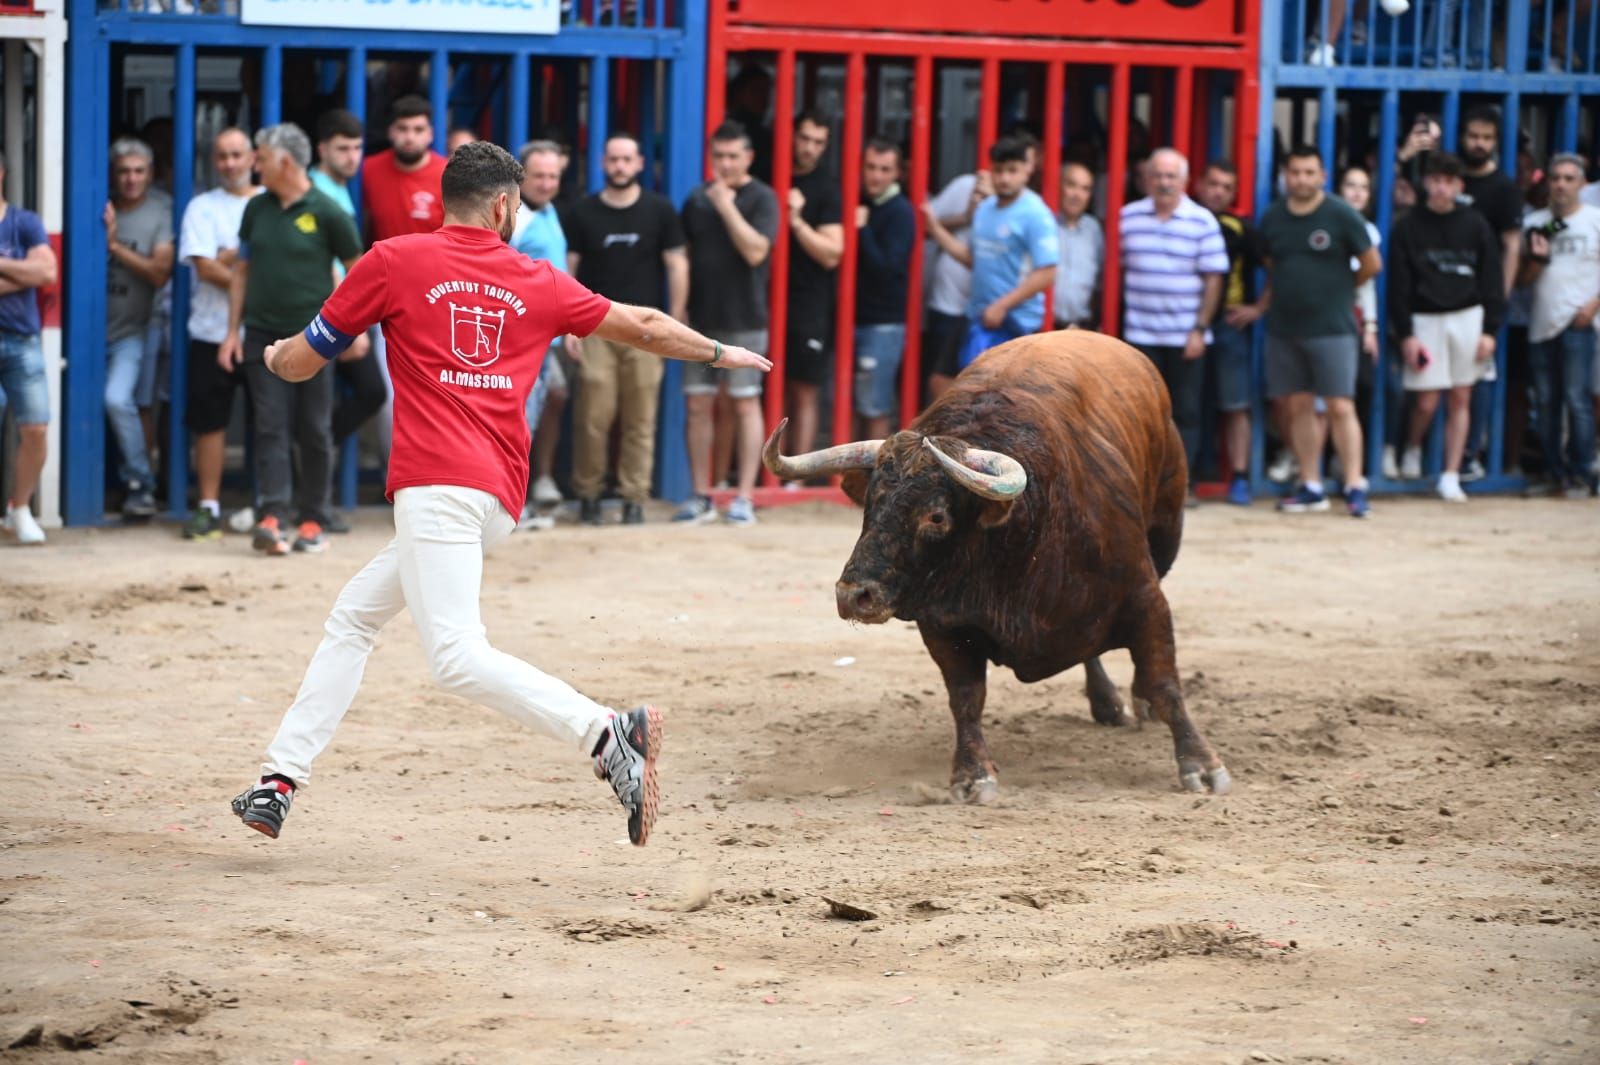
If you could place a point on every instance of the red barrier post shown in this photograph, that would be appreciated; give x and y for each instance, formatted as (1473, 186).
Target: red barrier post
(1116, 184)
(1055, 102)
(778, 293)
(916, 168)
(988, 109)
(855, 102)
(1182, 106)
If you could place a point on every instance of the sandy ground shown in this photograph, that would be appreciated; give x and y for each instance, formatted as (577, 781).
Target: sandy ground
(1407, 870)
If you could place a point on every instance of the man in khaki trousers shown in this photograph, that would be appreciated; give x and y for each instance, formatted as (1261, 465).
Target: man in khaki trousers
(627, 244)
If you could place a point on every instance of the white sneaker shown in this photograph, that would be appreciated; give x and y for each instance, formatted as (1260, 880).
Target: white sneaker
(21, 523)
(1391, 468)
(741, 511)
(545, 492)
(242, 520)
(1411, 464)
(1322, 55)
(1284, 467)
(1450, 488)
(1395, 7)
(534, 519)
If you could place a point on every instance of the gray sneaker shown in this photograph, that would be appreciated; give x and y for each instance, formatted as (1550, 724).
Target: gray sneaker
(626, 758)
(742, 511)
(696, 510)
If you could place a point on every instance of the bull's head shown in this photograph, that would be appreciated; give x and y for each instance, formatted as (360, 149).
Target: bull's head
(925, 499)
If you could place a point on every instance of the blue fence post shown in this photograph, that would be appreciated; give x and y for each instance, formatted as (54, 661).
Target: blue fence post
(517, 106)
(1327, 142)
(355, 101)
(439, 97)
(1271, 58)
(1383, 188)
(651, 175)
(599, 120)
(271, 85)
(183, 155)
(1497, 416)
(83, 435)
(1567, 139)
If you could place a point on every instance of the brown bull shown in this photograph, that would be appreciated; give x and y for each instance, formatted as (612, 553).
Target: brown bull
(1026, 518)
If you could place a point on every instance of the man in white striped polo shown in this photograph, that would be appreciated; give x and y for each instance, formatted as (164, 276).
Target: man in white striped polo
(1174, 261)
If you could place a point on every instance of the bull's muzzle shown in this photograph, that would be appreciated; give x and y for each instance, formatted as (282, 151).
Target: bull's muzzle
(863, 601)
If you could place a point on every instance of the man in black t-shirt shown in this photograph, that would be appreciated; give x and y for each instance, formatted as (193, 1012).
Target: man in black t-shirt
(730, 222)
(626, 244)
(815, 246)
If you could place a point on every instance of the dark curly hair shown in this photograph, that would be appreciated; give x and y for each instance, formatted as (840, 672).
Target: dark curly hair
(476, 174)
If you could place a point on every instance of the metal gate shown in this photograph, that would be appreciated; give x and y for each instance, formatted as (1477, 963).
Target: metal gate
(639, 60)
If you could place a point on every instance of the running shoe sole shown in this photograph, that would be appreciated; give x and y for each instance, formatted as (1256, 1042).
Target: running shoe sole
(650, 744)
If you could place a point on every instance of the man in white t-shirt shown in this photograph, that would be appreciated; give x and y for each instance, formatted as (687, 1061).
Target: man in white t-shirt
(949, 280)
(1563, 266)
(209, 242)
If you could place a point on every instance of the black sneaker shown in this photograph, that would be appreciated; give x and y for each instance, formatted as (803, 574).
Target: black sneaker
(140, 502)
(202, 525)
(264, 805)
(335, 524)
(632, 514)
(268, 538)
(589, 512)
(626, 758)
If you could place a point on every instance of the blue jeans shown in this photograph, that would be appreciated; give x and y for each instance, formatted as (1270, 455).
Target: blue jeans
(22, 380)
(1561, 380)
(980, 340)
(125, 360)
(879, 349)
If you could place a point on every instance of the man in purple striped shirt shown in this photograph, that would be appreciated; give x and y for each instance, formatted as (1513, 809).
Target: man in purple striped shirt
(1174, 261)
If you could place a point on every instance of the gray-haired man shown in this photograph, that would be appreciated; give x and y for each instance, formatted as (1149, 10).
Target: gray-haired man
(289, 238)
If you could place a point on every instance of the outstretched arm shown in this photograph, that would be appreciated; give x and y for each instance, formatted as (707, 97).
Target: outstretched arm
(659, 333)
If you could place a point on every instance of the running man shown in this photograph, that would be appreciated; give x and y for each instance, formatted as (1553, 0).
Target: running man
(458, 471)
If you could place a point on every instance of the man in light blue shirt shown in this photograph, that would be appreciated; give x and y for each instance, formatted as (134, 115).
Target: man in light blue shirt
(1013, 252)
(538, 235)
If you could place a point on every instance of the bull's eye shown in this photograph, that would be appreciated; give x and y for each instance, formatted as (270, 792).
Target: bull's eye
(936, 518)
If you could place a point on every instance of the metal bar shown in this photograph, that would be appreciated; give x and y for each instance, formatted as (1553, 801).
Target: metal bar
(439, 97)
(183, 156)
(1182, 112)
(921, 159)
(599, 124)
(164, 31)
(1497, 408)
(1383, 188)
(1569, 123)
(517, 102)
(271, 85)
(988, 107)
(1450, 118)
(1253, 112)
(1224, 52)
(778, 276)
(1116, 186)
(855, 99)
(1055, 100)
(355, 101)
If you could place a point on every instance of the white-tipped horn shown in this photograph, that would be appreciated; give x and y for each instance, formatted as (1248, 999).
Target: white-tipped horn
(861, 455)
(988, 474)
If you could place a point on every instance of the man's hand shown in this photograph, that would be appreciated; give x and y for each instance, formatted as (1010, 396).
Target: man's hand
(1538, 245)
(930, 216)
(574, 347)
(359, 348)
(270, 355)
(1194, 345)
(994, 315)
(720, 194)
(797, 203)
(861, 216)
(1414, 354)
(1485, 348)
(983, 188)
(109, 217)
(1585, 316)
(228, 256)
(1369, 344)
(1242, 315)
(230, 352)
(736, 358)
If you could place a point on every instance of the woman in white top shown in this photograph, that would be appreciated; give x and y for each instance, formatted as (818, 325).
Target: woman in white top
(1355, 188)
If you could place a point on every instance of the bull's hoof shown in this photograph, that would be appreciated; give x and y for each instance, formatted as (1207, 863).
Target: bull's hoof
(1217, 781)
(1141, 711)
(979, 792)
(1112, 712)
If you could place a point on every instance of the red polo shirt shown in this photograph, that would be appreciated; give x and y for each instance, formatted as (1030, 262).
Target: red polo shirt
(401, 201)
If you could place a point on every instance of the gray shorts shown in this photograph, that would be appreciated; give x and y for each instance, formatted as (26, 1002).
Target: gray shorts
(1323, 366)
(699, 379)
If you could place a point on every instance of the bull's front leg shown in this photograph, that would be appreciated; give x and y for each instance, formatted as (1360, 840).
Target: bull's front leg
(964, 666)
(1156, 683)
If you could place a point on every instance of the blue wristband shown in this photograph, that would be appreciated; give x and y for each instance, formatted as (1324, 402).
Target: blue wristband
(325, 340)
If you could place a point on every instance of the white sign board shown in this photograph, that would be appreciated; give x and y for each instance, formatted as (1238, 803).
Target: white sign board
(465, 16)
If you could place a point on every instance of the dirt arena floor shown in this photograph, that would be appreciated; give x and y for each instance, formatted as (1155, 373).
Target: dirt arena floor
(1407, 870)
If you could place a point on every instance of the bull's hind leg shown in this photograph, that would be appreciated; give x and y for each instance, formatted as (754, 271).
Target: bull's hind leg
(1155, 681)
(973, 774)
(1105, 701)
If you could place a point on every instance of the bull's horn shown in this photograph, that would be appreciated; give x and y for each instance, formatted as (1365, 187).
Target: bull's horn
(860, 455)
(988, 474)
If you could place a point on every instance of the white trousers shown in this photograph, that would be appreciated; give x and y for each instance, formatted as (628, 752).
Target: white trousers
(434, 567)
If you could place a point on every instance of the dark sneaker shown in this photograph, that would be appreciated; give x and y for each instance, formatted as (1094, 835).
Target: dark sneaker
(1305, 501)
(202, 525)
(335, 524)
(589, 512)
(268, 538)
(626, 758)
(632, 514)
(309, 539)
(140, 502)
(1239, 491)
(1355, 501)
(264, 805)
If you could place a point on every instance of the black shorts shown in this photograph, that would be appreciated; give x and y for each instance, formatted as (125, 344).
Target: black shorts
(941, 343)
(808, 357)
(211, 390)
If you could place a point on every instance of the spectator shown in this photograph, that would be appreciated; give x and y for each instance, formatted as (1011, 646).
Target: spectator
(26, 263)
(458, 136)
(627, 245)
(1355, 189)
(1174, 261)
(1230, 328)
(209, 243)
(730, 223)
(400, 185)
(1563, 266)
(1309, 239)
(950, 279)
(1083, 252)
(816, 243)
(1012, 252)
(886, 231)
(364, 391)
(538, 235)
(139, 238)
(1446, 301)
(290, 237)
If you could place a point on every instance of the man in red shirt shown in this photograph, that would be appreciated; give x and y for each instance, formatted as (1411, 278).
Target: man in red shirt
(469, 321)
(400, 185)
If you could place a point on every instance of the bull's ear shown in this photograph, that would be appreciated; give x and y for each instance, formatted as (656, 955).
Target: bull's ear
(854, 483)
(995, 513)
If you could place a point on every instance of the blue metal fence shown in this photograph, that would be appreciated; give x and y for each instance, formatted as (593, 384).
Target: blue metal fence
(593, 34)
(1535, 61)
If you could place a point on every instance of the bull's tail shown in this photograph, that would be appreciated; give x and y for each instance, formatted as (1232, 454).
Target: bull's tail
(1166, 527)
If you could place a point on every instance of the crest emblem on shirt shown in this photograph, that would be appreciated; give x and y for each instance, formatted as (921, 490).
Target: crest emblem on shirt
(1320, 240)
(306, 223)
(475, 334)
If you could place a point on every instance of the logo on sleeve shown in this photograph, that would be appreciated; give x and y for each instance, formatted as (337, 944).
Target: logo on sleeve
(475, 334)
